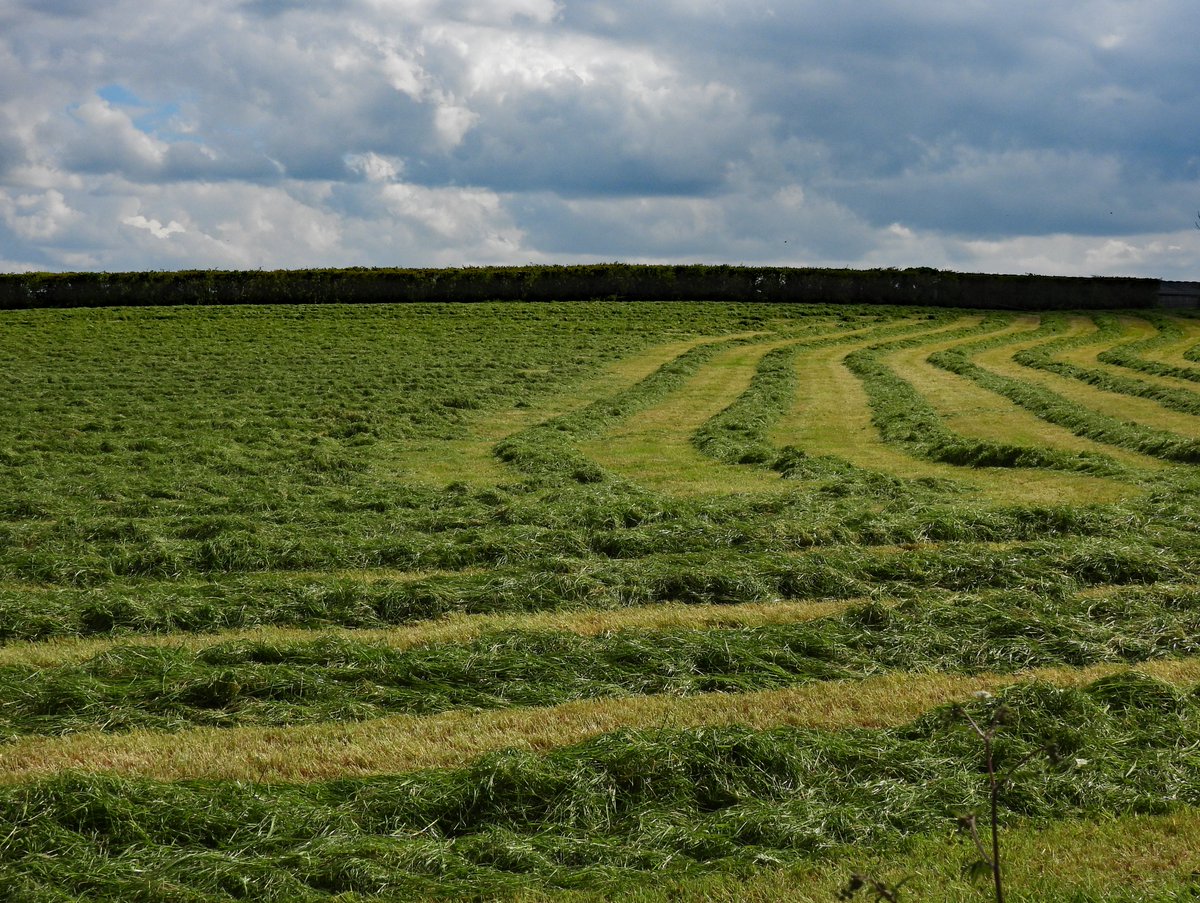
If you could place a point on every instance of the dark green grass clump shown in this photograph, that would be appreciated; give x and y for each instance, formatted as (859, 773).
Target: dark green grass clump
(1074, 547)
(614, 809)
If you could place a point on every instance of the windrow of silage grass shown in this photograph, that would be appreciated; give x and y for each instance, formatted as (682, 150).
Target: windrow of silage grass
(275, 626)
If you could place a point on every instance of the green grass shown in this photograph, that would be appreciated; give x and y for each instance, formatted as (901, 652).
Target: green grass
(701, 564)
(905, 419)
(614, 810)
(336, 679)
(1066, 412)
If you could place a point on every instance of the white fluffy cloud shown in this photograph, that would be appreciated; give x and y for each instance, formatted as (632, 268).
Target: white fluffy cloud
(244, 133)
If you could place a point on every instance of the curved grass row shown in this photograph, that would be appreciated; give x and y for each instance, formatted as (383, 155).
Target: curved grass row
(544, 451)
(1138, 411)
(1054, 408)
(471, 459)
(831, 423)
(608, 811)
(380, 746)
(1130, 354)
(653, 447)
(739, 434)
(904, 418)
(1047, 548)
(1043, 357)
(260, 682)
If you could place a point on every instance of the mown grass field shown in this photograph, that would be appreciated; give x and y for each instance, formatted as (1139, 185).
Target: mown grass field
(659, 601)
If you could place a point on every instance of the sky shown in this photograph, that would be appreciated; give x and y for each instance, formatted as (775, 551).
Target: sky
(1020, 137)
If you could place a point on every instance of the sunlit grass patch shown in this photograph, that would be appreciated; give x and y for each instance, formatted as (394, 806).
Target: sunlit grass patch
(972, 411)
(1183, 349)
(1135, 410)
(832, 416)
(387, 745)
(1121, 357)
(471, 459)
(654, 446)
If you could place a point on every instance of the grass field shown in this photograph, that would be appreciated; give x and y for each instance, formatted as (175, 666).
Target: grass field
(664, 601)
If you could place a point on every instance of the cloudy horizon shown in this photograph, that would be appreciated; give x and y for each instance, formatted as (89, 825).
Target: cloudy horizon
(1022, 137)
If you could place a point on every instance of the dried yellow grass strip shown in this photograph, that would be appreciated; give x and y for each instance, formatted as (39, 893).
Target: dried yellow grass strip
(1142, 411)
(388, 745)
(453, 629)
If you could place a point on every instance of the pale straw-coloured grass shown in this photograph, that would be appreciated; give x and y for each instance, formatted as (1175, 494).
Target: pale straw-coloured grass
(394, 744)
(1142, 411)
(832, 416)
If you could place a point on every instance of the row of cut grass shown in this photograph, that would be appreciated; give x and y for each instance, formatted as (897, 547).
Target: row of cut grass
(1079, 408)
(739, 434)
(614, 809)
(654, 447)
(1135, 400)
(546, 450)
(322, 752)
(831, 418)
(471, 459)
(334, 679)
(903, 417)
(974, 412)
(1150, 348)
(1078, 547)
(455, 628)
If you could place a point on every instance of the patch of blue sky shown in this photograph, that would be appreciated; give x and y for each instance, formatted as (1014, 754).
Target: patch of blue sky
(159, 120)
(120, 95)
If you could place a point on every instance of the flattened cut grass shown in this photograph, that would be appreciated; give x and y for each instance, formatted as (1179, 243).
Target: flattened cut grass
(654, 446)
(470, 460)
(973, 411)
(1141, 411)
(832, 416)
(453, 629)
(1181, 351)
(1128, 858)
(389, 745)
